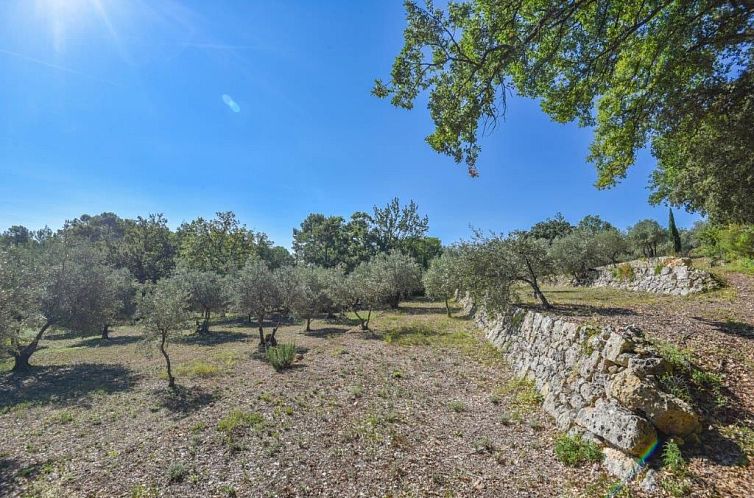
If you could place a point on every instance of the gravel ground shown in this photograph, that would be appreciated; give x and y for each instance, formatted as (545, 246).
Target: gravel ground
(419, 407)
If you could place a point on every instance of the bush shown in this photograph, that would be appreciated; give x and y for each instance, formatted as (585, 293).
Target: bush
(281, 356)
(574, 451)
(238, 419)
(624, 271)
(177, 472)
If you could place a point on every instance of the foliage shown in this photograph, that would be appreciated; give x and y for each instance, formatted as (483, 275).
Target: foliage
(675, 74)
(624, 271)
(164, 313)
(238, 419)
(551, 228)
(19, 296)
(675, 235)
(177, 472)
(391, 277)
(576, 253)
(221, 245)
(645, 237)
(440, 278)
(489, 266)
(394, 225)
(207, 292)
(672, 458)
(611, 245)
(311, 295)
(321, 241)
(574, 451)
(258, 292)
(147, 249)
(281, 356)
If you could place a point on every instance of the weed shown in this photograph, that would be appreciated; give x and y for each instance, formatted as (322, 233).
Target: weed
(397, 374)
(624, 271)
(141, 491)
(457, 406)
(198, 427)
(356, 391)
(238, 419)
(672, 458)
(176, 472)
(281, 356)
(64, 417)
(676, 385)
(484, 445)
(574, 451)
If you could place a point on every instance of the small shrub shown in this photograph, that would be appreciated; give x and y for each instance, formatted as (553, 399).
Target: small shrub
(64, 417)
(198, 427)
(484, 445)
(672, 458)
(624, 271)
(281, 356)
(574, 451)
(658, 268)
(177, 472)
(457, 406)
(397, 374)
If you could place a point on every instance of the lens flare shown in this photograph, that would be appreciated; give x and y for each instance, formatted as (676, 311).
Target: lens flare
(231, 103)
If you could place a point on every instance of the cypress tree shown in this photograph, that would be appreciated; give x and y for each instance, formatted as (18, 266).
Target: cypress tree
(674, 234)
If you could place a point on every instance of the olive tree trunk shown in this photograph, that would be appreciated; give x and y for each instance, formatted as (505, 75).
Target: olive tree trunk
(21, 358)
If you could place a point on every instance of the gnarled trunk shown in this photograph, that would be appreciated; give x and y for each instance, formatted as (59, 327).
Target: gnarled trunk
(21, 358)
(105, 332)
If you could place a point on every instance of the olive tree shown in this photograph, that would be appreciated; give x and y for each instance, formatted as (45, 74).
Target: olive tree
(646, 236)
(395, 275)
(440, 280)
(575, 254)
(19, 299)
(164, 311)
(256, 292)
(75, 291)
(310, 296)
(611, 244)
(490, 266)
(124, 288)
(207, 292)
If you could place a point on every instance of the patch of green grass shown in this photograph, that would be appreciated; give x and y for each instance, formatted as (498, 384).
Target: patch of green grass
(281, 356)
(457, 406)
(676, 385)
(574, 451)
(397, 374)
(142, 491)
(62, 417)
(524, 393)
(197, 368)
(198, 427)
(238, 419)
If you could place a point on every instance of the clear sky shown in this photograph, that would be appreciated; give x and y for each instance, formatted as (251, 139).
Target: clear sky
(262, 108)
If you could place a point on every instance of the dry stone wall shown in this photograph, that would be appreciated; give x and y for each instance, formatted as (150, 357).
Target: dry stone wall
(601, 382)
(666, 275)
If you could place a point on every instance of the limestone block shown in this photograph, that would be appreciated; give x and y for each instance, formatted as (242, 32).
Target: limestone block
(621, 428)
(669, 414)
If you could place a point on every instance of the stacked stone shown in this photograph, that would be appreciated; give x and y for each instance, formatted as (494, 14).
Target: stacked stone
(599, 382)
(667, 275)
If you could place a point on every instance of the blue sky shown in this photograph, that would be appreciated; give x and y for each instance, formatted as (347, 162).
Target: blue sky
(263, 108)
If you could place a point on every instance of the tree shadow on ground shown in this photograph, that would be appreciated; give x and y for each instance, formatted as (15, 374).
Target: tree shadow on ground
(62, 335)
(63, 385)
(327, 332)
(740, 329)
(183, 401)
(98, 342)
(212, 338)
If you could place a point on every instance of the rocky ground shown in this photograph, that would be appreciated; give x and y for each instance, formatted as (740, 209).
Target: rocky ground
(419, 407)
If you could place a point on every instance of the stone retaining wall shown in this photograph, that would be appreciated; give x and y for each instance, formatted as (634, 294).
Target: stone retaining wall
(600, 382)
(666, 275)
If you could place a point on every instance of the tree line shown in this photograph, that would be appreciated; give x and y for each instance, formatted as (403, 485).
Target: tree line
(100, 270)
